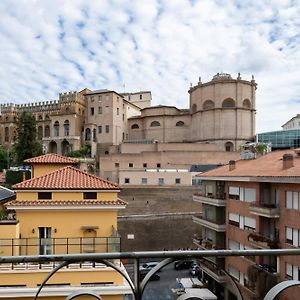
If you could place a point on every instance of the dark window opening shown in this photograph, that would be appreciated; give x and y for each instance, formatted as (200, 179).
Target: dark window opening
(44, 195)
(90, 195)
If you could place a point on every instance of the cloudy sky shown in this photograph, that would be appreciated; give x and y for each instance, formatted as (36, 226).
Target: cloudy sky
(52, 46)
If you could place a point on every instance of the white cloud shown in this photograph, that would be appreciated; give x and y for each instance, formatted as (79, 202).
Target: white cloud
(53, 46)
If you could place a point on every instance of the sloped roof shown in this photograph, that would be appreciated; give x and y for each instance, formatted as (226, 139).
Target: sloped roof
(269, 165)
(67, 178)
(204, 168)
(50, 158)
(6, 194)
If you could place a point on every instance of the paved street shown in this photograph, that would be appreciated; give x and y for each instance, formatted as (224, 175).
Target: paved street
(161, 289)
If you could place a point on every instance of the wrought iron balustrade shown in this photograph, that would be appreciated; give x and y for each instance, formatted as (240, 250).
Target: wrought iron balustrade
(43, 246)
(167, 258)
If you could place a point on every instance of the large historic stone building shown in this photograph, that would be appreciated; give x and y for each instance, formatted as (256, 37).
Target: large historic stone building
(221, 113)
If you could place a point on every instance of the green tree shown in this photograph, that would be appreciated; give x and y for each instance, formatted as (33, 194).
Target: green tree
(4, 157)
(27, 144)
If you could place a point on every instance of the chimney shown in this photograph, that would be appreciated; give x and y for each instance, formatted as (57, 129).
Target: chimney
(231, 165)
(287, 161)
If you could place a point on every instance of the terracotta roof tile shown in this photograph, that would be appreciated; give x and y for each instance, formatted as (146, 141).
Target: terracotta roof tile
(45, 203)
(269, 165)
(51, 158)
(67, 178)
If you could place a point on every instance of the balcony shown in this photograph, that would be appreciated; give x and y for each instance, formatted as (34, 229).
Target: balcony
(215, 225)
(262, 241)
(213, 271)
(209, 199)
(264, 210)
(48, 246)
(206, 244)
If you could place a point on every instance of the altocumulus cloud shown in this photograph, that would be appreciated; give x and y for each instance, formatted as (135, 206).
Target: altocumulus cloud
(53, 46)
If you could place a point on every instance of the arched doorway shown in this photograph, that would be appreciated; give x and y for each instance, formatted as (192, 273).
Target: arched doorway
(65, 147)
(87, 134)
(52, 147)
(229, 147)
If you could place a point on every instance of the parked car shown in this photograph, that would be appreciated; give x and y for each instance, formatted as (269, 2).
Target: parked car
(149, 265)
(183, 264)
(144, 272)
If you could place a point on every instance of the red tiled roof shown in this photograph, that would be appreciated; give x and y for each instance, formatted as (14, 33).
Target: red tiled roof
(269, 165)
(50, 158)
(67, 178)
(45, 203)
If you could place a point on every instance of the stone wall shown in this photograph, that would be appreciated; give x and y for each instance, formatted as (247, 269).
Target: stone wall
(158, 218)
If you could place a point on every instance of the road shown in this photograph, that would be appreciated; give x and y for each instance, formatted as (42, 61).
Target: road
(161, 289)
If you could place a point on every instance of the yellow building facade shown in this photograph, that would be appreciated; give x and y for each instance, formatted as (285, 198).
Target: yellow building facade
(61, 210)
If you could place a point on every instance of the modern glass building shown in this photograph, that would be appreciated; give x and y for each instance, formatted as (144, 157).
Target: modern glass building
(282, 139)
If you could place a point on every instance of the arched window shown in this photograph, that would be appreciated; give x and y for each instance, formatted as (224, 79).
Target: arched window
(179, 124)
(208, 104)
(135, 126)
(65, 147)
(246, 103)
(155, 124)
(40, 132)
(56, 128)
(40, 118)
(52, 147)
(67, 128)
(47, 131)
(47, 117)
(229, 147)
(68, 109)
(6, 134)
(194, 108)
(87, 134)
(228, 103)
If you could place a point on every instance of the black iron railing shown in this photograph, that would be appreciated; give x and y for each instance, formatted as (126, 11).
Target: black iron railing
(137, 287)
(48, 246)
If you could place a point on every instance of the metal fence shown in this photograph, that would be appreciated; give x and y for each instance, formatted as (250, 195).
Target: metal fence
(166, 258)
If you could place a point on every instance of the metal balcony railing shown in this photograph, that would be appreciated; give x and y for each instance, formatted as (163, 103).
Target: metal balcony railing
(48, 246)
(137, 286)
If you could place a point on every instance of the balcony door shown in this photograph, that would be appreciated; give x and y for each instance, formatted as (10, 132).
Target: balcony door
(45, 240)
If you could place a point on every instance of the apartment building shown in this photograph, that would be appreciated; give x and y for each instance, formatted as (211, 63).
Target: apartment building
(252, 204)
(61, 210)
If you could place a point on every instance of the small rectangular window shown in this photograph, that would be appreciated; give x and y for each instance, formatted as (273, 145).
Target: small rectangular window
(158, 165)
(130, 165)
(107, 128)
(144, 180)
(141, 97)
(144, 165)
(117, 111)
(100, 129)
(92, 111)
(123, 117)
(92, 98)
(177, 180)
(44, 195)
(100, 110)
(117, 165)
(126, 180)
(161, 180)
(90, 195)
